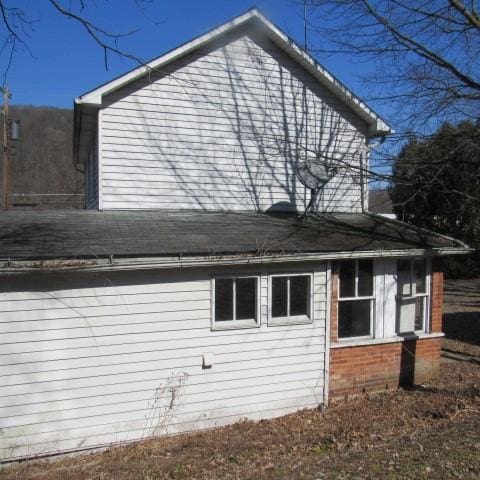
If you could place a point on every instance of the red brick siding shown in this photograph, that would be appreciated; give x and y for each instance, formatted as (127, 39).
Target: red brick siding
(436, 299)
(369, 368)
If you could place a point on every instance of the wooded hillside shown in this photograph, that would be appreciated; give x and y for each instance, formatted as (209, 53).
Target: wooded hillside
(43, 175)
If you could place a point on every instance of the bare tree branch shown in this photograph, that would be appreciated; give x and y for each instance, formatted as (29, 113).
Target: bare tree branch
(95, 32)
(18, 26)
(425, 54)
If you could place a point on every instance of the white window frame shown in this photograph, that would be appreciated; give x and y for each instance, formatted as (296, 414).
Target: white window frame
(290, 319)
(235, 324)
(413, 292)
(357, 298)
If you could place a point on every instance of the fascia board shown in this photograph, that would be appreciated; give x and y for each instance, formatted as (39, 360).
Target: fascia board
(376, 125)
(111, 264)
(95, 97)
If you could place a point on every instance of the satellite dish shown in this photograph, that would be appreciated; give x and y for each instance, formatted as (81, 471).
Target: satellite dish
(314, 174)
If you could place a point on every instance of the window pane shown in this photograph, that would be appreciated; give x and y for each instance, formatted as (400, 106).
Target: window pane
(223, 299)
(420, 275)
(365, 278)
(354, 318)
(404, 286)
(279, 296)
(246, 296)
(300, 295)
(347, 278)
(419, 309)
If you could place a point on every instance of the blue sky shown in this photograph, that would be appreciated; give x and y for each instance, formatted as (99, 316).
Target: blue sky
(64, 62)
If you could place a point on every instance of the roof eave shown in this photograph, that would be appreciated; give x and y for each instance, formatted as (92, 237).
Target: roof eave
(95, 96)
(377, 126)
(141, 263)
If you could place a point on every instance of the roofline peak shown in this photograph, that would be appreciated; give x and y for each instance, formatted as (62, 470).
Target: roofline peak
(377, 126)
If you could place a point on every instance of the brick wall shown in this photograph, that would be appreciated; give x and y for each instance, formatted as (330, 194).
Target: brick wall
(370, 368)
(436, 298)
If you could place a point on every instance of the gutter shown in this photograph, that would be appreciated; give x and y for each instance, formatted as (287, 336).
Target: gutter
(8, 266)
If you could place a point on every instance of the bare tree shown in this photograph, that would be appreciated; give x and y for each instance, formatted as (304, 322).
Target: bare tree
(17, 24)
(425, 54)
(422, 62)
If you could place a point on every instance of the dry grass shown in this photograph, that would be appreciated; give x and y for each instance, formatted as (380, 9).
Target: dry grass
(388, 435)
(461, 319)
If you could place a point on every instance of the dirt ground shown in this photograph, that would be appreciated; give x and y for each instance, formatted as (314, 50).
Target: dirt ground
(428, 432)
(461, 317)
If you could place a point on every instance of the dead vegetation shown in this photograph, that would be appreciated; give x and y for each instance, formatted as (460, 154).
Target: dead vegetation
(461, 318)
(427, 432)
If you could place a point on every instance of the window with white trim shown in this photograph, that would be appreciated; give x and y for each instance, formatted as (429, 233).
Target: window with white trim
(291, 298)
(412, 288)
(355, 299)
(235, 301)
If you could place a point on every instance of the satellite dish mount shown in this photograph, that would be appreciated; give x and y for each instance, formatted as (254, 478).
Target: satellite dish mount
(314, 175)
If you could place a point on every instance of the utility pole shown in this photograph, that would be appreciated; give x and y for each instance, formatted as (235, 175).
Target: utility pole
(305, 44)
(6, 150)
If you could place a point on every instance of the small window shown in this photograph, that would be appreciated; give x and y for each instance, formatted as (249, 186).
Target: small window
(412, 293)
(235, 302)
(291, 298)
(356, 298)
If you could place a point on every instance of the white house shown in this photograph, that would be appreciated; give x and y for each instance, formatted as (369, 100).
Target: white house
(194, 292)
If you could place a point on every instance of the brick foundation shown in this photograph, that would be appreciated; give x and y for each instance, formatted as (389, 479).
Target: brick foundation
(370, 368)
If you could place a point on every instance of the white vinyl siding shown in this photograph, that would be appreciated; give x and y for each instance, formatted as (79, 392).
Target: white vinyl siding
(223, 129)
(91, 359)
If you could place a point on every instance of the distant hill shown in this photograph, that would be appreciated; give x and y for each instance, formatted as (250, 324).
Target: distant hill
(42, 170)
(43, 175)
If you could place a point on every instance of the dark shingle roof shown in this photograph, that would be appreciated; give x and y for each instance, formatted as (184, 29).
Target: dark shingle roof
(91, 234)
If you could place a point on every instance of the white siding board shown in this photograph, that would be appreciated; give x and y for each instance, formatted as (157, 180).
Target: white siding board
(245, 103)
(55, 340)
(74, 348)
(109, 288)
(131, 402)
(82, 357)
(226, 353)
(86, 389)
(108, 301)
(24, 405)
(133, 430)
(128, 118)
(204, 409)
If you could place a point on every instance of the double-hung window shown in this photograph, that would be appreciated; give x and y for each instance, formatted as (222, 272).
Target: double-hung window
(290, 298)
(412, 294)
(235, 302)
(355, 299)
